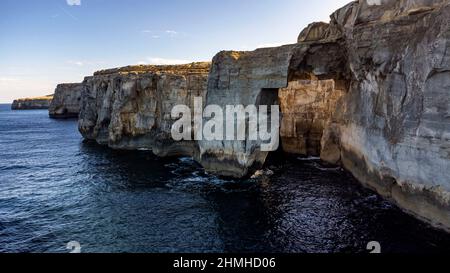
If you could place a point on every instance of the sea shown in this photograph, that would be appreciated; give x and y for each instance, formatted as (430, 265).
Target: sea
(56, 188)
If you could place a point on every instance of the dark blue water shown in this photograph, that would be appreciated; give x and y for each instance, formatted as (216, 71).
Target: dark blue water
(54, 188)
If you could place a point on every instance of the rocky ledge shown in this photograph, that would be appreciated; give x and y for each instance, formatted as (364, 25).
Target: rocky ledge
(37, 103)
(66, 101)
(368, 91)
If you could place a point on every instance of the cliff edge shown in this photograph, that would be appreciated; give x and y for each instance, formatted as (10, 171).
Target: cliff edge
(66, 101)
(130, 107)
(38, 103)
(367, 91)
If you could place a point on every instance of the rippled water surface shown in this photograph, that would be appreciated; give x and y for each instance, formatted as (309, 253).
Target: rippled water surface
(54, 188)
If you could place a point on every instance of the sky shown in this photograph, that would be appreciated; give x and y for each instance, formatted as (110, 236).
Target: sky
(46, 42)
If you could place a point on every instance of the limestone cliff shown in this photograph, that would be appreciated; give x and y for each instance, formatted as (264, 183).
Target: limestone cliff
(307, 106)
(392, 128)
(37, 103)
(368, 91)
(66, 101)
(243, 78)
(130, 107)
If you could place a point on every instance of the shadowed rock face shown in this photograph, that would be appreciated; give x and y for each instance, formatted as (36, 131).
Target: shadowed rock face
(130, 107)
(38, 103)
(66, 101)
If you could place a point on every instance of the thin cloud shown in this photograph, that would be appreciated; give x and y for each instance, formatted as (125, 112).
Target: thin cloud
(163, 61)
(172, 32)
(159, 34)
(6, 79)
(277, 44)
(68, 13)
(73, 2)
(83, 63)
(76, 63)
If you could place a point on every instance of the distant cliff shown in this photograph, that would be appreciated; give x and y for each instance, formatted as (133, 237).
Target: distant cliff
(66, 101)
(32, 103)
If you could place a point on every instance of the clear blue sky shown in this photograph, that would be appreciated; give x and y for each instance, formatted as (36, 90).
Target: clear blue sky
(45, 42)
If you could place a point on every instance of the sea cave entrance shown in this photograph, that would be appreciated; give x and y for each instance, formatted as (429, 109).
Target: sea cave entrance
(308, 106)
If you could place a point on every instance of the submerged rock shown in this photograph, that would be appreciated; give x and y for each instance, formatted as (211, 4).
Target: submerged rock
(38, 103)
(66, 101)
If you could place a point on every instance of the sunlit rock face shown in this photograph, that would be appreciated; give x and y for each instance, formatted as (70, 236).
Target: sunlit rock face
(66, 101)
(130, 107)
(307, 107)
(38, 103)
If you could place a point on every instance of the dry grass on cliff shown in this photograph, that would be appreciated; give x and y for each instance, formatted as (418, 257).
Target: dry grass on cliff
(49, 97)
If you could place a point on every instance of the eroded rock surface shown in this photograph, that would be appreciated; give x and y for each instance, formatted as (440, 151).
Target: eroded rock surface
(368, 91)
(130, 107)
(307, 107)
(255, 78)
(38, 103)
(393, 129)
(243, 78)
(388, 122)
(66, 101)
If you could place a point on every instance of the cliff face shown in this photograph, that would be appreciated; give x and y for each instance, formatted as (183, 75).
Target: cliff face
(307, 106)
(66, 101)
(368, 91)
(289, 75)
(392, 130)
(243, 78)
(32, 103)
(130, 107)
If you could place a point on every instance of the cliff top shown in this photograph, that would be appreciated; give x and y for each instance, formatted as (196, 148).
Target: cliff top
(48, 97)
(192, 68)
(68, 85)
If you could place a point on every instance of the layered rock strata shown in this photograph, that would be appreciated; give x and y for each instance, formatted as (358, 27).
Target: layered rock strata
(66, 101)
(130, 107)
(38, 103)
